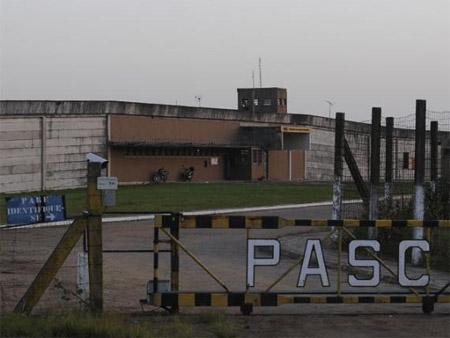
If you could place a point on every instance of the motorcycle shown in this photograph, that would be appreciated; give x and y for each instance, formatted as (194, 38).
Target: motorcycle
(161, 175)
(188, 174)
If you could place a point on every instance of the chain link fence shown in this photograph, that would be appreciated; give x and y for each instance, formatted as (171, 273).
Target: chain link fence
(396, 193)
(24, 250)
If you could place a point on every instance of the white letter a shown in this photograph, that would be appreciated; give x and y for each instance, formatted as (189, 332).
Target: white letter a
(313, 244)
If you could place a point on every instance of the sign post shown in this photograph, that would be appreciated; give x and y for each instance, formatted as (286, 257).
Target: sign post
(95, 246)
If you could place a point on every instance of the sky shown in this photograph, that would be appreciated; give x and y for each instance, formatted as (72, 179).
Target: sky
(356, 54)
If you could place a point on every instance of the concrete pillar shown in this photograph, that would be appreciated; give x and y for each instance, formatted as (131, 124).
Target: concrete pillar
(389, 159)
(338, 165)
(43, 153)
(419, 176)
(374, 168)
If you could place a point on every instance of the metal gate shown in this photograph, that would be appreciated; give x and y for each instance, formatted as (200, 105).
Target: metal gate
(417, 289)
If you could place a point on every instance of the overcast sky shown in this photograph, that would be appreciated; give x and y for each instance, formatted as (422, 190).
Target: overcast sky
(357, 54)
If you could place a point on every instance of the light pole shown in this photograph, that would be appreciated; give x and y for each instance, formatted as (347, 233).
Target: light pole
(199, 99)
(330, 104)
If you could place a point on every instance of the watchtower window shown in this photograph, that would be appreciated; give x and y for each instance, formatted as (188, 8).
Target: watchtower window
(244, 104)
(267, 102)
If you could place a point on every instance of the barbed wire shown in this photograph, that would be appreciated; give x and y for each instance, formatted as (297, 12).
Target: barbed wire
(409, 121)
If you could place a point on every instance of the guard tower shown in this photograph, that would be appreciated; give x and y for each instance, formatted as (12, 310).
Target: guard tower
(262, 100)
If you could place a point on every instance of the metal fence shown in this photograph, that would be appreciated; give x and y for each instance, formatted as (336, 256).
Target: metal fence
(403, 166)
(387, 188)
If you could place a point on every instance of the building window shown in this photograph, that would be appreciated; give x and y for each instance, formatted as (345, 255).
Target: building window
(255, 102)
(256, 156)
(281, 102)
(405, 160)
(245, 157)
(267, 102)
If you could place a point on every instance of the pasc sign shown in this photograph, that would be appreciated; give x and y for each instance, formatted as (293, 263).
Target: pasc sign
(314, 247)
(35, 209)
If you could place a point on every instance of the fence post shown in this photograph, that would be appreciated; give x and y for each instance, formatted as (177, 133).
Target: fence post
(433, 154)
(445, 174)
(83, 279)
(419, 175)
(95, 245)
(175, 257)
(338, 168)
(374, 168)
(389, 159)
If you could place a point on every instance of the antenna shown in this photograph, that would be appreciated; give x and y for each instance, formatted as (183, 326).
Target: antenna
(330, 104)
(260, 74)
(199, 99)
(253, 78)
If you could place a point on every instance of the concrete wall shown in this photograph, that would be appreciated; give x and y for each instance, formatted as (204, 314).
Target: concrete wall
(44, 153)
(319, 160)
(20, 154)
(54, 157)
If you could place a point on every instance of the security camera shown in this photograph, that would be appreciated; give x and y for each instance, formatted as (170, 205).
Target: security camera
(90, 157)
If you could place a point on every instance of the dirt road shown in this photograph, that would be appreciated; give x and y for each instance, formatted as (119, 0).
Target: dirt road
(224, 252)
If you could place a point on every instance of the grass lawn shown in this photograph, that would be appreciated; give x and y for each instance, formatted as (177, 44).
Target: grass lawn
(186, 197)
(194, 196)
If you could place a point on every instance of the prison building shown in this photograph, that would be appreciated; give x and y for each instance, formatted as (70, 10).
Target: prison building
(43, 144)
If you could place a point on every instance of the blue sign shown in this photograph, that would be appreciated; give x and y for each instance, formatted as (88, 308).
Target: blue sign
(35, 209)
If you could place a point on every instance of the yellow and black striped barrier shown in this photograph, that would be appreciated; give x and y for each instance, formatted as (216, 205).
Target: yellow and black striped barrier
(224, 299)
(274, 222)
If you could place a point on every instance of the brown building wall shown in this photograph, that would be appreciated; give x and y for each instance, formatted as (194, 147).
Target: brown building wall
(279, 165)
(137, 169)
(138, 128)
(258, 171)
(298, 165)
(141, 145)
(133, 160)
